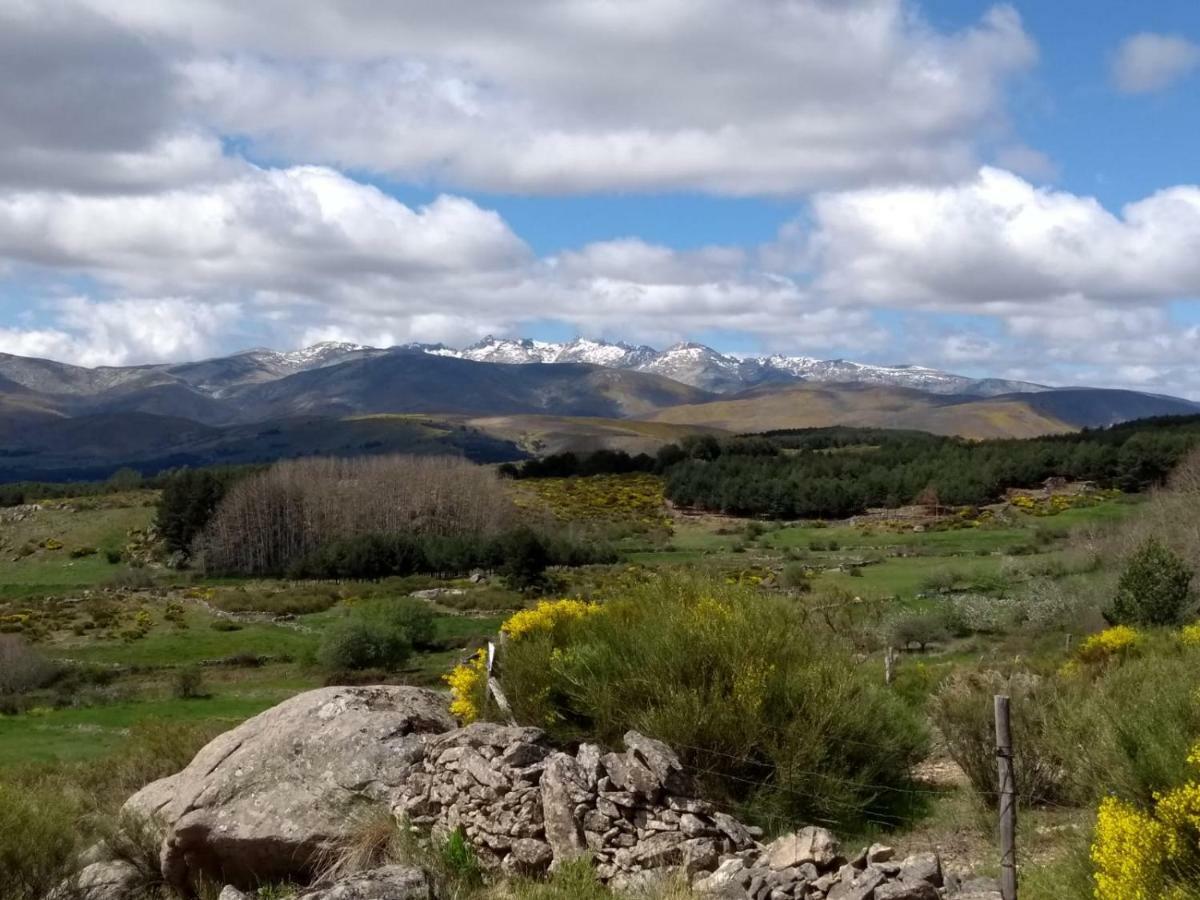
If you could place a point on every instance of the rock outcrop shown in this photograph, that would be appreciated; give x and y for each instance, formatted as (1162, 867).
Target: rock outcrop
(264, 800)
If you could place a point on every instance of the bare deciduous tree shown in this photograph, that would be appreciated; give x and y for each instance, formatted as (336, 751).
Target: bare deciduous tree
(270, 520)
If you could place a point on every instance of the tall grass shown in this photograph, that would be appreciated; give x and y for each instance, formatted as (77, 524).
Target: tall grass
(48, 814)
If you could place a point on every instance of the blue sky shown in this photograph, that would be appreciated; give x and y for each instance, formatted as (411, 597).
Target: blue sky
(999, 189)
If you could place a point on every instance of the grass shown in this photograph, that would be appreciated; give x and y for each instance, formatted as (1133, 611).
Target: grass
(902, 564)
(64, 735)
(53, 570)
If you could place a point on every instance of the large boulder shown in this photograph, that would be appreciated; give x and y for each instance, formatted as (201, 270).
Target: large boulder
(264, 801)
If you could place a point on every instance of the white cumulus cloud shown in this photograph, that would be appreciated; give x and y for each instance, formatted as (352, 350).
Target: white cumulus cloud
(1148, 62)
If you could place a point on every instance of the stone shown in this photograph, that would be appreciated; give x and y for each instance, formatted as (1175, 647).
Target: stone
(906, 890)
(384, 883)
(660, 760)
(229, 892)
(630, 775)
(880, 853)
(922, 867)
(111, 880)
(563, 785)
(262, 802)
(856, 885)
(733, 829)
(810, 844)
(529, 856)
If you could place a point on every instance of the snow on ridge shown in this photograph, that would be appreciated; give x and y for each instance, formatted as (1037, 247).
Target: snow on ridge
(687, 361)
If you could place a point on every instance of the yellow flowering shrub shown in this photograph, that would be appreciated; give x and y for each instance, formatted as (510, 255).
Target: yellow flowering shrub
(468, 687)
(1147, 855)
(1190, 634)
(547, 616)
(1129, 852)
(1108, 643)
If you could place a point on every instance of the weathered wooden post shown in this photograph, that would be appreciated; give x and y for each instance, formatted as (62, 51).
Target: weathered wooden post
(494, 686)
(889, 662)
(1007, 798)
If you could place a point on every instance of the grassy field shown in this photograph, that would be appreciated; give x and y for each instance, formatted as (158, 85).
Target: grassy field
(132, 631)
(35, 554)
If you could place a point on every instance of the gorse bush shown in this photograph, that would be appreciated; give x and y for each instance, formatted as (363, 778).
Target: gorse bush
(774, 716)
(377, 634)
(1150, 851)
(1154, 588)
(1127, 730)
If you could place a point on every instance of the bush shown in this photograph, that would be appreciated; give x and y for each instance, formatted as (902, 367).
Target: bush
(775, 716)
(795, 577)
(962, 710)
(524, 560)
(377, 634)
(920, 628)
(38, 831)
(1129, 730)
(188, 683)
(1154, 588)
(22, 668)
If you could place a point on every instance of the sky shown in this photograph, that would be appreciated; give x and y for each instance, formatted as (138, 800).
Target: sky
(996, 189)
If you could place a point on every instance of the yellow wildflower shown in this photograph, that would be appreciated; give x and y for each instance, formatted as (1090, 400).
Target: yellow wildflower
(1108, 643)
(468, 683)
(546, 616)
(1190, 634)
(1129, 851)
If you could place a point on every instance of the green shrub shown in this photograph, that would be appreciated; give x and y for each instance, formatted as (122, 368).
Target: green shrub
(795, 577)
(188, 683)
(920, 628)
(38, 840)
(377, 634)
(524, 559)
(1154, 587)
(963, 712)
(1129, 731)
(224, 625)
(22, 668)
(113, 557)
(775, 716)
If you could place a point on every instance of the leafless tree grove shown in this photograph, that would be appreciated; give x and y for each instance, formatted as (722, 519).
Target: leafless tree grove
(272, 519)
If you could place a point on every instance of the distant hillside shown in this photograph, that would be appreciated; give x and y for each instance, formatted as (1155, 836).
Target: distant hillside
(580, 434)
(816, 406)
(1097, 408)
(417, 382)
(96, 445)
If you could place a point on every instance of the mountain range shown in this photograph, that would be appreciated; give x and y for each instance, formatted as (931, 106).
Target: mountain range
(497, 399)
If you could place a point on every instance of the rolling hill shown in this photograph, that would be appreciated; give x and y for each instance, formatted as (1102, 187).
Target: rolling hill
(1010, 415)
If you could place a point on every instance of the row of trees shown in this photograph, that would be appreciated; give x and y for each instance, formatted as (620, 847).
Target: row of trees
(832, 473)
(268, 522)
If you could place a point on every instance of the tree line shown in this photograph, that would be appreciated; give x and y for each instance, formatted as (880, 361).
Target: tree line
(834, 473)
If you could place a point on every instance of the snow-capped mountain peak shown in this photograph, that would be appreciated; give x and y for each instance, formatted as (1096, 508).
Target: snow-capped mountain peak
(689, 362)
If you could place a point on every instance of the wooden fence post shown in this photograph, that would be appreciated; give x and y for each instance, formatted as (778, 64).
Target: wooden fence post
(889, 663)
(1008, 800)
(494, 688)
